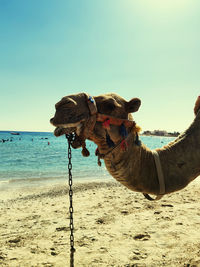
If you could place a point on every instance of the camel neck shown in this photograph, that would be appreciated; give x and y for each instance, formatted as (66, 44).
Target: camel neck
(133, 167)
(180, 158)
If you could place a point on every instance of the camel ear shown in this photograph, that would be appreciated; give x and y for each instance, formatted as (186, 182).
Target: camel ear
(133, 105)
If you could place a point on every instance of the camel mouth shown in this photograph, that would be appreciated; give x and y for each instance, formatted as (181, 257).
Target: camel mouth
(68, 128)
(61, 130)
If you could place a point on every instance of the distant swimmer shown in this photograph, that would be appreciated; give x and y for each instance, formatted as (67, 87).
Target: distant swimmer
(4, 140)
(48, 143)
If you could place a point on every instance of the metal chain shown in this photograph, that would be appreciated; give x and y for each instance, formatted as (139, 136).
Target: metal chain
(70, 138)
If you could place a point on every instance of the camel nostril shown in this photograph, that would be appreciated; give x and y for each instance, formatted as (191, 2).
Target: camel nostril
(51, 120)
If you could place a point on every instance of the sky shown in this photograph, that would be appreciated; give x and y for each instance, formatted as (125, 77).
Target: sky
(136, 48)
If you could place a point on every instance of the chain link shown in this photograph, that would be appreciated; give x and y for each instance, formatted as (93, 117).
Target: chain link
(70, 138)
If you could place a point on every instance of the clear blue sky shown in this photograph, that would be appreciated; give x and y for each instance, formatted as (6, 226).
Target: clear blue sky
(137, 48)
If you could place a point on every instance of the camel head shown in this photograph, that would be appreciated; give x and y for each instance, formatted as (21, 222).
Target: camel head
(94, 118)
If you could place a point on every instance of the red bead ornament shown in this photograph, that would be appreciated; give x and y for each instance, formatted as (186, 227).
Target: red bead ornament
(106, 124)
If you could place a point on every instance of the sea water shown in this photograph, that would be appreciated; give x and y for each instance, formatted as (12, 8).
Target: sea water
(40, 157)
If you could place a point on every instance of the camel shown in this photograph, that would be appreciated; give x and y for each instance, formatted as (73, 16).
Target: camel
(107, 121)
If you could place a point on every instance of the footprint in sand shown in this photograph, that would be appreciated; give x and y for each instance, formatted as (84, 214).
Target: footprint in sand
(2, 256)
(138, 255)
(142, 237)
(16, 240)
(63, 228)
(100, 221)
(53, 252)
(167, 205)
(125, 212)
(105, 219)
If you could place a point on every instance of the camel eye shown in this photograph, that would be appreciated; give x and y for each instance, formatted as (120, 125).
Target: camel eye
(69, 103)
(108, 106)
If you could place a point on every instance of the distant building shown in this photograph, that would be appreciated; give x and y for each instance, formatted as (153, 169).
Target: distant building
(161, 133)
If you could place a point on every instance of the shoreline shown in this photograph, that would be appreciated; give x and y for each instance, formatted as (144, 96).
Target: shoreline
(45, 182)
(113, 226)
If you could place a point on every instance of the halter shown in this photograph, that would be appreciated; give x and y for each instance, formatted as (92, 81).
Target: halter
(107, 120)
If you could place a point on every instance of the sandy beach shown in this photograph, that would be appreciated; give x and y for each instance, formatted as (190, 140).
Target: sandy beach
(113, 226)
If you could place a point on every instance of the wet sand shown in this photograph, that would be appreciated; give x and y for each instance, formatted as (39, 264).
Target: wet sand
(113, 226)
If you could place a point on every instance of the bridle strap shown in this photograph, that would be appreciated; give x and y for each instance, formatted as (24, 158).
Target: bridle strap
(161, 179)
(91, 104)
(115, 121)
(103, 117)
(91, 120)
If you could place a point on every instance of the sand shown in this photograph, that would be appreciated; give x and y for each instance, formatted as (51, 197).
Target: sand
(113, 226)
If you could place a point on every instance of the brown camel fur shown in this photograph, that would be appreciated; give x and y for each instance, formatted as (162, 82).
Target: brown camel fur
(134, 167)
